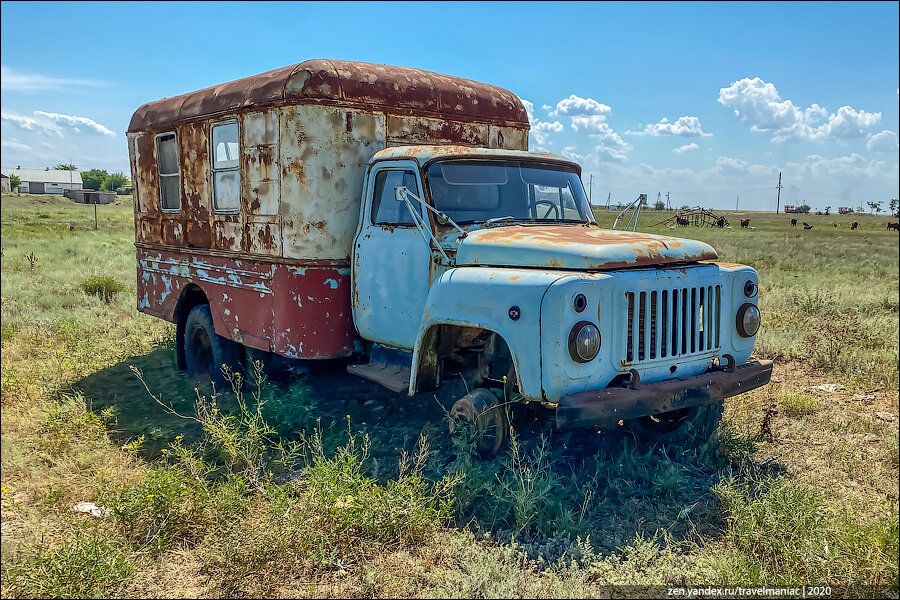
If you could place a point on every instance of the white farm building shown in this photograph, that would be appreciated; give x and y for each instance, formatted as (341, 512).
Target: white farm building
(44, 181)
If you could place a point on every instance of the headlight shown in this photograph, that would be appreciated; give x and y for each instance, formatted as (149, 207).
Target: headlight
(584, 342)
(748, 320)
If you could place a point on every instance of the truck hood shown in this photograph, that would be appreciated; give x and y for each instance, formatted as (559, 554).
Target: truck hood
(575, 247)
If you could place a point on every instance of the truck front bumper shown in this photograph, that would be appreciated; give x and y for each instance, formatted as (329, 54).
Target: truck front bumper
(606, 407)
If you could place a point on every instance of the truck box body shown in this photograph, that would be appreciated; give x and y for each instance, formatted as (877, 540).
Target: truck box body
(269, 234)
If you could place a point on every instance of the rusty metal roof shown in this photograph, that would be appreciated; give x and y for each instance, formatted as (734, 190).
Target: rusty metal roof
(366, 85)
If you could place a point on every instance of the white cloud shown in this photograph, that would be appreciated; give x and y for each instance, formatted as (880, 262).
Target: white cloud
(818, 166)
(44, 138)
(732, 165)
(78, 124)
(16, 146)
(31, 82)
(546, 126)
(591, 124)
(570, 153)
(758, 104)
(529, 109)
(684, 126)
(541, 131)
(577, 106)
(539, 136)
(611, 153)
(587, 115)
(686, 148)
(56, 124)
(611, 146)
(886, 141)
(20, 121)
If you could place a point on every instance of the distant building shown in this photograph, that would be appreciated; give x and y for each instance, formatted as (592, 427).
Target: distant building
(844, 210)
(790, 208)
(90, 196)
(44, 181)
(4, 183)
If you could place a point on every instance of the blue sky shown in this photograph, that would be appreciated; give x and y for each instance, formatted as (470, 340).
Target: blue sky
(708, 101)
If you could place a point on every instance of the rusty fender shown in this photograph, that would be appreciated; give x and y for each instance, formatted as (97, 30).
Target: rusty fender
(606, 407)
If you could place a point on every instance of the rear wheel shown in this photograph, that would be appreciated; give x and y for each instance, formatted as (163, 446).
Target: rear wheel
(697, 422)
(205, 351)
(480, 416)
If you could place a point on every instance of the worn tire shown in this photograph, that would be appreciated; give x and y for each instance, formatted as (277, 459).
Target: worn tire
(488, 422)
(205, 351)
(696, 423)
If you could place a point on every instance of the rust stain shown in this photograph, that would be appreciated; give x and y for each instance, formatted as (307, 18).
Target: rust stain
(320, 225)
(726, 265)
(296, 168)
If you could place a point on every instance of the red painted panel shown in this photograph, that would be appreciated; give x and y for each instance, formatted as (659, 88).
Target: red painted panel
(299, 312)
(313, 318)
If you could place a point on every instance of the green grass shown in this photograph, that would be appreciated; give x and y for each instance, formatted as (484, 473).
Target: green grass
(326, 486)
(797, 405)
(81, 567)
(782, 531)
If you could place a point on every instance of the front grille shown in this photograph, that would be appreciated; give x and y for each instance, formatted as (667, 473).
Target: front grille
(672, 323)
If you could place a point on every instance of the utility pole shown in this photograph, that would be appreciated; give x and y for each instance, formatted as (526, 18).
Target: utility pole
(778, 202)
(591, 188)
(737, 201)
(668, 202)
(608, 196)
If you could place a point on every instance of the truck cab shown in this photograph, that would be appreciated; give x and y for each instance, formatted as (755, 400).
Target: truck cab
(487, 264)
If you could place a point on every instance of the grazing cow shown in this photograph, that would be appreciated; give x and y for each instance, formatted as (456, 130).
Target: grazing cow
(807, 225)
(793, 222)
(854, 225)
(745, 223)
(682, 221)
(836, 224)
(894, 226)
(720, 222)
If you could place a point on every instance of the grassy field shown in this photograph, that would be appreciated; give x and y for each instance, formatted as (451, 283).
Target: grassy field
(322, 486)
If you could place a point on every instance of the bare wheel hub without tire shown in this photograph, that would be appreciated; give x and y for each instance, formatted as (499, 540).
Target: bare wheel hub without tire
(483, 418)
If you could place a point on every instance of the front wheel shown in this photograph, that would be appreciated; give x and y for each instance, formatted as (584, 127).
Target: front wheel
(205, 351)
(697, 422)
(479, 415)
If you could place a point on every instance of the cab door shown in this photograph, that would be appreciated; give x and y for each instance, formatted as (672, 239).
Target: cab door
(390, 259)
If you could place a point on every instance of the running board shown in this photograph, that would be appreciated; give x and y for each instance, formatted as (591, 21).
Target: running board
(387, 367)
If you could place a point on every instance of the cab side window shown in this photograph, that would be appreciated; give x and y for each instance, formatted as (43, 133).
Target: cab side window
(226, 161)
(385, 209)
(169, 174)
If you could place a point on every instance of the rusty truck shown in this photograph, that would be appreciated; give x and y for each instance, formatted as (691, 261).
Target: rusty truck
(335, 210)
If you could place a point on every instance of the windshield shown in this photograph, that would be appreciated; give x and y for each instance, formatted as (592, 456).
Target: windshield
(471, 191)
